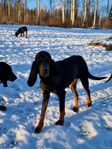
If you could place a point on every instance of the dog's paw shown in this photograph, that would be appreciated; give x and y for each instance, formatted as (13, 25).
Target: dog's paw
(75, 109)
(59, 122)
(3, 108)
(89, 105)
(38, 129)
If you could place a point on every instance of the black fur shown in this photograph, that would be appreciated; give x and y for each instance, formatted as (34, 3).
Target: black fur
(6, 74)
(55, 77)
(110, 78)
(21, 31)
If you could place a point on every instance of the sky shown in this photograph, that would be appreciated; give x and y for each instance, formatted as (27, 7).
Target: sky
(33, 3)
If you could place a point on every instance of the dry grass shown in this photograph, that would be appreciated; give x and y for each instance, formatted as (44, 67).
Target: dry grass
(106, 46)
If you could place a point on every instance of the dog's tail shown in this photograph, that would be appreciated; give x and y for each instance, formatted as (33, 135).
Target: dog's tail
(109, 78)
(95, 78)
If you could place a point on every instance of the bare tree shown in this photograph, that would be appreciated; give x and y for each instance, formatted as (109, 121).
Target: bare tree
(38, 11)
(72, 11)
(86, 12)
(63, 11)
(18, 8)
(25, 12)
(95, 14)
(45, 6)
(107, 7)
(3, 2)
(101, 14)
(9, 8)
(51, 7)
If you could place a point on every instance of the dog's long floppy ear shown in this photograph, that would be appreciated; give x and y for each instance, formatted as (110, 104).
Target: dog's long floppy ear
(33, 74)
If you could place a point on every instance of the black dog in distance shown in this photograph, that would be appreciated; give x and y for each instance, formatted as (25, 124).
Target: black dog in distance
(21, 31)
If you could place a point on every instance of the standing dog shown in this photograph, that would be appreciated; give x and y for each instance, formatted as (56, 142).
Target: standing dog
(55, 77)
(6, 74)
(21, 31)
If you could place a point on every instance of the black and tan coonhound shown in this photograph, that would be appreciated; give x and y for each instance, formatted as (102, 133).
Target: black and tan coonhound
(21, 31)
(55, 77)
(6, 74)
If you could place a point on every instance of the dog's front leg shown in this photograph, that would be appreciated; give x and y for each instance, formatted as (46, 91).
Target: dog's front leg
(61, 96)
(43, 110)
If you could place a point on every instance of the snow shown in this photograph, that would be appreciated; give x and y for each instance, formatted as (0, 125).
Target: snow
(91, 128)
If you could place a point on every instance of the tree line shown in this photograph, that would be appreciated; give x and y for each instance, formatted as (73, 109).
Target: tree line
(62, 13)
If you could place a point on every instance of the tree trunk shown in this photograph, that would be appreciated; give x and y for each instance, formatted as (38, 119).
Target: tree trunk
(86, 13)
(101, 13)
(72, 11)
(107, 7)
(9, 9)
(63, 11)
(19, 11)
(95, 14)
(3, 10)
(38, 11)
(25, 12)
(51, 7)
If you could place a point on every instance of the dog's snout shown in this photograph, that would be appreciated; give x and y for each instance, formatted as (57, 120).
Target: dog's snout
(44, 70)
(12, 77)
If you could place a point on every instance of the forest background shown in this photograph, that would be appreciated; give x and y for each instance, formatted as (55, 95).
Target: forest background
(61, 13)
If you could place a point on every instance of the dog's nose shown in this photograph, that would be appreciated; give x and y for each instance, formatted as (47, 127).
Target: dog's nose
(13, 77)
(45, 70)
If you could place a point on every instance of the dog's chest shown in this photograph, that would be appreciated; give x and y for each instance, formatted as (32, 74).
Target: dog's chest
(50, 84)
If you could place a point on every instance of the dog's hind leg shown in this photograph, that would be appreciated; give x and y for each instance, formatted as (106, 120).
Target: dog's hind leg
(85, 84)
(73, 88)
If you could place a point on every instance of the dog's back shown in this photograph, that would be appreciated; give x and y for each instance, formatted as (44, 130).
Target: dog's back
(22, 29)
(72, 63)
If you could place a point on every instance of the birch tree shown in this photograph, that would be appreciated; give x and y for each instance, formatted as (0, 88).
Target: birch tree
(86, 13)
(51, 7)
(25, 12)
(38, 10)
(3, 9)
(18, 6)
(101, 14)
(95, 14)
(73, 11)
(9, 8)
(107, 7)
(63, 11)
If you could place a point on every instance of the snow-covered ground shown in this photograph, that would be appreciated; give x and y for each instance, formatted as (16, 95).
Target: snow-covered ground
(90, 128)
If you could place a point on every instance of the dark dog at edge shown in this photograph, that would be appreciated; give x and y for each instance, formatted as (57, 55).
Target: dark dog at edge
(6, 74)
(55, 77)
(110, 78)
(21, 31)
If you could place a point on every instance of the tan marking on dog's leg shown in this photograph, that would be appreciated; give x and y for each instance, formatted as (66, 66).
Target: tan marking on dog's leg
(62, 114)
(88, 101)
(73, 88)
(42, 115)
